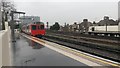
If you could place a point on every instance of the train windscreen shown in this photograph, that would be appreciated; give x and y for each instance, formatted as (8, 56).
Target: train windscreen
(33, 27)
(41, 27)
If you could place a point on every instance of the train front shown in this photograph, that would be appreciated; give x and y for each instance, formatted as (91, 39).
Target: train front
(38, 29)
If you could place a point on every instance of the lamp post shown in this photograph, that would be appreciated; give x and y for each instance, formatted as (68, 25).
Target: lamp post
(106, 25)
(106, 18)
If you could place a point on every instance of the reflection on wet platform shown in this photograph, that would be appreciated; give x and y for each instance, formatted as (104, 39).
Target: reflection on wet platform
(35, 45)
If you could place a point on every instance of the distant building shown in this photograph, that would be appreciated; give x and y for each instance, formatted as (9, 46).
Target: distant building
(70, 28)
(75, 27)
(81, 27)
(64, 28)
(84, 26)
(107, 21)
(29, 19)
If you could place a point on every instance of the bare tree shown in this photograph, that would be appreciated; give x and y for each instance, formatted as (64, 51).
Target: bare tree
(7, 7)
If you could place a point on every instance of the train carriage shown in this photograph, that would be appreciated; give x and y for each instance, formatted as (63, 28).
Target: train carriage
(35, 29)
(112, 30)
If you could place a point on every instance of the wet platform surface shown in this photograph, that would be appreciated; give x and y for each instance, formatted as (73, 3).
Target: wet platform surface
(29, 53)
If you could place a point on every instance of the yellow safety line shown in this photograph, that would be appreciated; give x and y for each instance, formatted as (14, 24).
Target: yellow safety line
(89, 56)
(93, 58)
(34, 39)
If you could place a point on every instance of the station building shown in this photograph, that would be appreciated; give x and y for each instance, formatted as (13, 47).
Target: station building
(29, 19)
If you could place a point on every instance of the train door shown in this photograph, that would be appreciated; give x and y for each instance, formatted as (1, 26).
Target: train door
(42, 27)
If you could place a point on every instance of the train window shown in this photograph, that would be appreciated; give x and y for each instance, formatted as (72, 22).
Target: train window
(42, 26)
(33, 27)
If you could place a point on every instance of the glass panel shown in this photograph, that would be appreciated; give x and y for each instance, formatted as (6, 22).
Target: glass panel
(33, 27)
(42, 26)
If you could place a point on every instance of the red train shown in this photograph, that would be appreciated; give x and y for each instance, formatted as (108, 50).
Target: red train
(36, 29)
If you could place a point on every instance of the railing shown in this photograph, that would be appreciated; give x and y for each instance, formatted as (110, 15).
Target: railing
(5, 46)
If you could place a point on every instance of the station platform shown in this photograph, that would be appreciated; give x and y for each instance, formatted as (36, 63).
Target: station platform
(29, 53)
(32, 51)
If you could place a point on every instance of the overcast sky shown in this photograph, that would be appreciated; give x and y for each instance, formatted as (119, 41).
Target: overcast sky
(69, 10)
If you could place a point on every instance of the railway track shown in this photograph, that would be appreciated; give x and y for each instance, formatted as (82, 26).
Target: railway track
(111, 53)
(108, 43)
(85, 35)
(93, 39)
